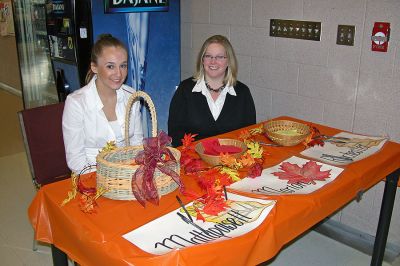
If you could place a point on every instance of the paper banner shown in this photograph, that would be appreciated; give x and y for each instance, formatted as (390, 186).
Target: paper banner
(345, 148)
(175, 231)
(270, 184)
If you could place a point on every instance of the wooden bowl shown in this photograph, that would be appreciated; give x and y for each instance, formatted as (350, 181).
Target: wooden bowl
(216, 159)
(286, 132)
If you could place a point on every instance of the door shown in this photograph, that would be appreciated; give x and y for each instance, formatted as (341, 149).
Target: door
(38, 85)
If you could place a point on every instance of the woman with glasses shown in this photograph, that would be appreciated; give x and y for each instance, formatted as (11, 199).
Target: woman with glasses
(213, 101)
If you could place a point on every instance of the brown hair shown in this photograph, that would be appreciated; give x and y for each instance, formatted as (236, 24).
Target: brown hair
(103, 41)
(232, 69)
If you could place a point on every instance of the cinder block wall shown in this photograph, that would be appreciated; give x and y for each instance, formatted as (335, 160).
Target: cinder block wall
(348, 87)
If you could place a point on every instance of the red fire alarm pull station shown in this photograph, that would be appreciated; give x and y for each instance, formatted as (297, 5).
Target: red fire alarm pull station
(380, 36)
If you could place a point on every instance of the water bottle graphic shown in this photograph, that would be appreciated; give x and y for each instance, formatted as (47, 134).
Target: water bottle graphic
(137, 29)
(137, 25)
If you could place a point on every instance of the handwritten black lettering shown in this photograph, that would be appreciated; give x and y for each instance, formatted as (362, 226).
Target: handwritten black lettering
(334, 158)
(200, 236)
(171, 239)
(347, 156)
(219, 230)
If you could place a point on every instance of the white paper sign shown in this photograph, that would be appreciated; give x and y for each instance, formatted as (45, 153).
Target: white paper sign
(270, 184)
(176, 231)
(345, 148)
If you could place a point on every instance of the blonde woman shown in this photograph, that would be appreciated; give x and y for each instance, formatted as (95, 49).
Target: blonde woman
(213, 101)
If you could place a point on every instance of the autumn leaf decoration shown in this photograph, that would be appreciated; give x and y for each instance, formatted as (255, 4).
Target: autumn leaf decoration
(188, 140)
(257, 130)
(212, 180)
(212, 202)
(190, 162)
(254, 158)
(314, 138)
(110, 145)
(245, 135)
(88, 194)
(248, 135)
(307, 173)
(255, 150)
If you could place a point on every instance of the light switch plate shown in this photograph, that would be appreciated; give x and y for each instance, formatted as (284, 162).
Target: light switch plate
(345, 35)
(296, 29)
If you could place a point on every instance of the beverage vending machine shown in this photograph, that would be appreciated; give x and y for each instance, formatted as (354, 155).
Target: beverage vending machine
(69, 35)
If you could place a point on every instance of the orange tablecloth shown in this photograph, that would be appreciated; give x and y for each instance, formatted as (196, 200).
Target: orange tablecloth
(96, 239)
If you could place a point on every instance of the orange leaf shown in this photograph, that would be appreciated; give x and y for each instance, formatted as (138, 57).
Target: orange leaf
(188, 139)
(228, 160)
(247, 160)
(244, 134)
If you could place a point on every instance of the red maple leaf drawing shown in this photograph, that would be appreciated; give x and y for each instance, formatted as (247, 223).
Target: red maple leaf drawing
(308, 173)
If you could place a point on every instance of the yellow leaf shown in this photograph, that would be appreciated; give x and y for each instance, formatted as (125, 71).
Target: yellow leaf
(110, 145)
(255, 150)
(257, 130)
(232, 173)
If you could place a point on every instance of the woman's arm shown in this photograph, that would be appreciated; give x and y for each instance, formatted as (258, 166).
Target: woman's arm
(74, 135)
(249, 108)
(177, 117)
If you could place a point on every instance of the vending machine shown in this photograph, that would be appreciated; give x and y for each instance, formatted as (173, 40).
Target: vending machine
(70, 38)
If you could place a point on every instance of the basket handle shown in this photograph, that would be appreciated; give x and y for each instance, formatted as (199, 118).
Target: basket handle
(152, 110)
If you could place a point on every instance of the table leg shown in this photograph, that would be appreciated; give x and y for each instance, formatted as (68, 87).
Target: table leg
(384, 218)
(59, 257)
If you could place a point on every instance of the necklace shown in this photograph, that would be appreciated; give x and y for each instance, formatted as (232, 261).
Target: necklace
(215, 90)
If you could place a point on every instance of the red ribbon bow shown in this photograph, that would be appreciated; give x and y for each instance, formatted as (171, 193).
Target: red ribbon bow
(155, 155)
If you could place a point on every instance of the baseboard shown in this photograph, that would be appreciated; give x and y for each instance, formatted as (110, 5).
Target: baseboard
(10, 89)
(354, 238)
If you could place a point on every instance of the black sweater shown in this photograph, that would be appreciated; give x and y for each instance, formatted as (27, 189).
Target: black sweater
(189, 113)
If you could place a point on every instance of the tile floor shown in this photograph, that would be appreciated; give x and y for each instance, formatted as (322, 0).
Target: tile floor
(17, 191)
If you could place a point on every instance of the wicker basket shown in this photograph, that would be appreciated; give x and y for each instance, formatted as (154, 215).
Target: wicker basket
(216, 159)
(273, 127)
(114, 168)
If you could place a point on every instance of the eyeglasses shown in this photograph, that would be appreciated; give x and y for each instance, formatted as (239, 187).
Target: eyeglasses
(218, 58)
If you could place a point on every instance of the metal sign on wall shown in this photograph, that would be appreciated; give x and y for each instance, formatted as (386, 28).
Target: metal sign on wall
(129, 6)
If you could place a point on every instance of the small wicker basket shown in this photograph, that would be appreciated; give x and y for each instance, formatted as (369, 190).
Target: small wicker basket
(216, 159)
(273, 127)
(115, 169)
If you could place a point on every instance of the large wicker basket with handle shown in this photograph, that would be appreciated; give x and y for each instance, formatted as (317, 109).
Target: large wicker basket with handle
(115, 168)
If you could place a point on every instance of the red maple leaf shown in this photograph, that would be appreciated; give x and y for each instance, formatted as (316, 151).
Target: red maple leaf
(255, 170)
(308, 173)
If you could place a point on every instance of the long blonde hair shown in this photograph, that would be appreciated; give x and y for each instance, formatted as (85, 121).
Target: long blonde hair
(232, 69)
(103, 41)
